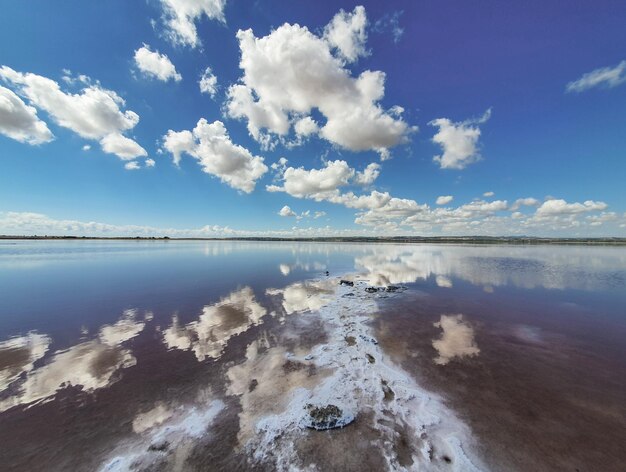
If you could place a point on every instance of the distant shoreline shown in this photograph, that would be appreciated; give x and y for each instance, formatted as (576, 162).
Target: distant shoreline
(513, 240)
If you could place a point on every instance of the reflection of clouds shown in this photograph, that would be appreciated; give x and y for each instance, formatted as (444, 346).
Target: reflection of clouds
(208, 336)
(457, 339)
(301, 248)
(126, 328)
(91, 364)
(394, 265)
(528, 334)
(151, 418)
(219, 248)
(165, 437)
(303, 296)
(271, 384)
(18, 355)
(286, 269)
(275, 388)
(443, 281)
(574, 267)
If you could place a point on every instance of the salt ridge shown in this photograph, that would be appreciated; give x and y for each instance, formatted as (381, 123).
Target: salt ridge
(356, 386)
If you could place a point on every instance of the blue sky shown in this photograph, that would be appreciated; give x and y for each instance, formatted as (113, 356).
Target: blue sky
(516, 111)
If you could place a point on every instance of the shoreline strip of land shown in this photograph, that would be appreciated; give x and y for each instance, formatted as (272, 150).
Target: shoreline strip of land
(514, 240)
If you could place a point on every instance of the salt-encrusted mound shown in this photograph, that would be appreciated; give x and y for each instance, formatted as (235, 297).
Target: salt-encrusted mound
(358, 378)
(326, 417)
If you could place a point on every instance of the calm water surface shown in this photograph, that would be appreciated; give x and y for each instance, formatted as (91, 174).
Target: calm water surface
(129, 355)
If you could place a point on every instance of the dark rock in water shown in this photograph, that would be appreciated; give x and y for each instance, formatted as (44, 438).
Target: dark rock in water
(371, 289)
(327, 273)
(394, 288)
(326, 417)
(293, 366)
(159, 446)
(387, 391)
(350, 340)
(349, 294)
(253, 385)
(370, 358)
(346, 282)
(368, 339)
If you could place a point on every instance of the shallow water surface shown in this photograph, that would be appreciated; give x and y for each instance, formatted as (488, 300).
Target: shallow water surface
(136, 355)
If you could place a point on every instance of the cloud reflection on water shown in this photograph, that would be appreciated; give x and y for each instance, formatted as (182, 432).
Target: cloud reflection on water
(263, 383)
(219, 322)
(286, 269)
(526, 267)
(304, 296)
(457, 339)
(443, 281)
(91, 365)
(151, 418)
(18, 355)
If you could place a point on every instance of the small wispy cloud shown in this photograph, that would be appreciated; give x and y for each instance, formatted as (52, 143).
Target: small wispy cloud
(390, 22)
(286, 211)
(608, 77)
(208, 83)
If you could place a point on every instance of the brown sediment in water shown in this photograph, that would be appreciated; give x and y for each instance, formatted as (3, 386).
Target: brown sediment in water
(14, 358)
(347, 449)
(545, 392)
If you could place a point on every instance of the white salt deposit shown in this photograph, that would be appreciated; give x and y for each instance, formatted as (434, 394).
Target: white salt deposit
(166, 438)
(359, 371)
(278, 389)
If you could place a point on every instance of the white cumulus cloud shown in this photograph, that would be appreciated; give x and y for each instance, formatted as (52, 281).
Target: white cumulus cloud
(346, 32)
(156, 65)
(210, 145)
(132, 165)
(94, 113)
(19, 121)
(561, 207)
(529, 201)
(290, 73)
(379, 214)
(459, 141)
(287, 211)
(123, 147)
(301, 183)
(387, 214)
(306, 127)
(368, 175)
(180, 18)
(324, 184)
(208, 83)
